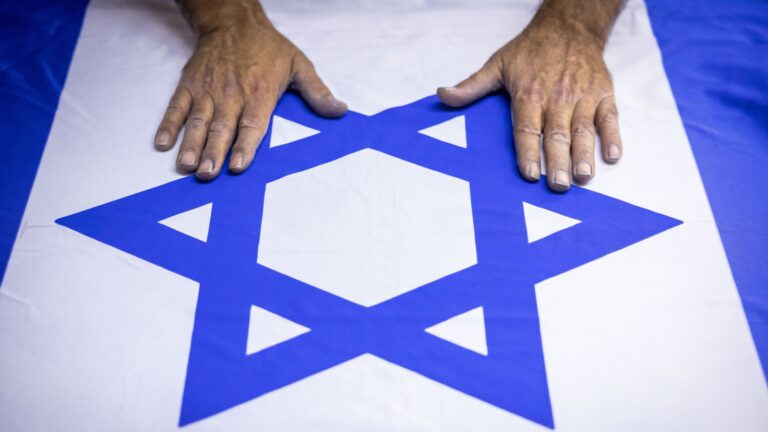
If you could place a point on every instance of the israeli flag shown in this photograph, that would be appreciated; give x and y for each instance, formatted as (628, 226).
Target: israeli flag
(390, 270)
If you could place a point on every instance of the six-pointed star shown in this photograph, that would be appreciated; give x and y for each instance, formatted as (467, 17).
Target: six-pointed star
(511, 375)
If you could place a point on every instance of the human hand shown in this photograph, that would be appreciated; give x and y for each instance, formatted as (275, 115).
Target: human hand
(558, 83)
(230, 86)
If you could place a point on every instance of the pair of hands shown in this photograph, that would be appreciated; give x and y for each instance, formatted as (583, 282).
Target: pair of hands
(557, 81)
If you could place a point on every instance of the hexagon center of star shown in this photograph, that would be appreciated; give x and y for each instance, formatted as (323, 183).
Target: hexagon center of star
(367, 227)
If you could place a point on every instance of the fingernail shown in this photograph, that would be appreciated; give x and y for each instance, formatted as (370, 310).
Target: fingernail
(449, 89)
(336, 101)
(187, 159)
(162, 139)
(613, 152)
(583, 169)
(206, 167)
(237, 161)
(562, 179)
(338, 105)
(534, 170)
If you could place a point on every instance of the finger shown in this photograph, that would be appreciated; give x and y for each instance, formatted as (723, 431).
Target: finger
(195, 133)
(527, 133)
(251, 129)
(608, 127)
(315, 92)
(557, 146)
(479, 84)
(221, 132)
(583, 141)
(175, 114)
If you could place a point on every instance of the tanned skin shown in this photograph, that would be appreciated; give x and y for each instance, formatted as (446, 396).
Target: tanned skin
(239, 69)
(553, 71)
(559, 85)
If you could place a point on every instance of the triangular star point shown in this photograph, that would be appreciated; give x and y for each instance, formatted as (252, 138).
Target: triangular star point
(453, 131)
(194, 223)
(267, 329)
(466, 330)
(286, 131)
(541, 223)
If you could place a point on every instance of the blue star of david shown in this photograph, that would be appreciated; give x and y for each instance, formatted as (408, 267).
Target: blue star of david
(511, 377)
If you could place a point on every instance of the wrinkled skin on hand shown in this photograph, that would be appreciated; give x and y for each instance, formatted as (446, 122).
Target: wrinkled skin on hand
(228, 91)
(560, 88)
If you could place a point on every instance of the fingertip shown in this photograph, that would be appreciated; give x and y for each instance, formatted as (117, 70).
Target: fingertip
(612, 154)
(206, 171)
(238, 163)
(450, 96)
(330, 107)
(163, 140)
(560, 181)
(187, 161)
(205, 177)
(583, 172)
(337, 108)
(530, 170)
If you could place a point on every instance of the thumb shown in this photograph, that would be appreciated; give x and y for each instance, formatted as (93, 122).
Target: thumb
(314, 91)
(479, 84)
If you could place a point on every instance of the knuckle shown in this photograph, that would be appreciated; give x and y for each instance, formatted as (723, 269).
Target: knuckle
(609, 116)
(528, 93)
(230, 87)
(527, 129)
(196, 121)
(249, 123)
(561, 93)
(558, 136)
(208, 81)
(584, 130)
(261, 86)
(175, 109)
(220, 127)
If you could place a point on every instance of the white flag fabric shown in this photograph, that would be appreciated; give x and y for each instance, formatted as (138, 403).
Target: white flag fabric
(387, 271)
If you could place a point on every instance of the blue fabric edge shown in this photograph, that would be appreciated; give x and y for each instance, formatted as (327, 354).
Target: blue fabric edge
(37, 42)
(711, 51)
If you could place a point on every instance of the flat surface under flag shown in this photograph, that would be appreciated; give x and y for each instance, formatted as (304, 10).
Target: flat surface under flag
(388, 271)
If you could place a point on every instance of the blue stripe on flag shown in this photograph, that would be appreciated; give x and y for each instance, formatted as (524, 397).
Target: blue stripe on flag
(37, 39)
(716, 57)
